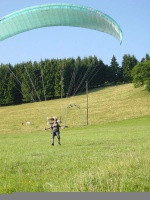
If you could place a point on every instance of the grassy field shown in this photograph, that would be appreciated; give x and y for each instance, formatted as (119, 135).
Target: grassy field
(111, 154)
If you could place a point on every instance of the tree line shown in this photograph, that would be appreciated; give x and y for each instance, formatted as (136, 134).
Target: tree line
(59, 78)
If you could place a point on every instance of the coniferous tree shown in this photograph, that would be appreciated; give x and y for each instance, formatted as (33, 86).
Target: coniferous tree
(114, 70)
(68, 76)
(2, 84)
(127, 65)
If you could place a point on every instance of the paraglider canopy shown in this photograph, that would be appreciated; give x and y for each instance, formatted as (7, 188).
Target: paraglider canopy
(58, 14)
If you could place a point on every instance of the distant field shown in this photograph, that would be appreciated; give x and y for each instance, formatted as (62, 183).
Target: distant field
(112, 154)
(105, 105)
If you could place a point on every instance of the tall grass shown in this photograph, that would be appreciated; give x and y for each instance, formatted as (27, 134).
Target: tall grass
(109, 155)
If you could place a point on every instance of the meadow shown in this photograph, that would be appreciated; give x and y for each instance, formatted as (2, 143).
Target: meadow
(111, 154)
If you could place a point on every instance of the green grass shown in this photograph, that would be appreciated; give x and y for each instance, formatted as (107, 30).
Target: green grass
(109, 155)
(105, 105)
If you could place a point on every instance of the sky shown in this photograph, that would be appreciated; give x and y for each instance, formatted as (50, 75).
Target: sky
(133, 16)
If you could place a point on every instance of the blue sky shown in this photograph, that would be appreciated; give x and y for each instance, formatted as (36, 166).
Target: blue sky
(133, 16)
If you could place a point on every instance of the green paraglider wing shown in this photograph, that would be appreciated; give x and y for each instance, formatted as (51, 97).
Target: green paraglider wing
(58, 14)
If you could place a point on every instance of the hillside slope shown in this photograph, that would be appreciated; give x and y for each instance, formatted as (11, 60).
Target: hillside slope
(107, 104)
